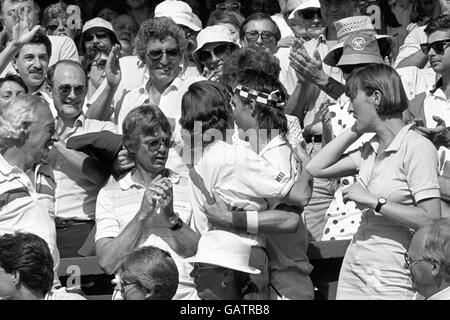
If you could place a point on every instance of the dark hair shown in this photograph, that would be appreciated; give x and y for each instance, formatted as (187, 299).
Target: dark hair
(152, 268)
(30, 256)
(441, 22)
(52, 69)
(248, 59)
(269, 116)
(41, 38)
(218, 16)
(208, 102)
(13, 78)
(54, 11)
(143, 121)
(257, 17)
(383, 78)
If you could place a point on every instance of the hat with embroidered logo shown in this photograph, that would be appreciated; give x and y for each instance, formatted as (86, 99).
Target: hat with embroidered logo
(360, 48)
(224, 249)
(348, 27)
(179, 11)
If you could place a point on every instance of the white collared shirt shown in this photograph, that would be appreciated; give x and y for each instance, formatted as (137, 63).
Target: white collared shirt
(441, 295)
(75, 194)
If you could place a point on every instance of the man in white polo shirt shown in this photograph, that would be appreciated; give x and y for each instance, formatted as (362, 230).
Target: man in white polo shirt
(79, 177)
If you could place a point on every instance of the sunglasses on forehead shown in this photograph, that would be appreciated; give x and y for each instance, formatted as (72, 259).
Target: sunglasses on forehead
(205, 56)
(438, 46)
(309, 14)
(234, 6)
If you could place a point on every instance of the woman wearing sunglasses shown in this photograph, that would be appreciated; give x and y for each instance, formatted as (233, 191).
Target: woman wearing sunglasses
(95, 71)
(397, 186)
(214, 44)
(55, 21)
(138, 210)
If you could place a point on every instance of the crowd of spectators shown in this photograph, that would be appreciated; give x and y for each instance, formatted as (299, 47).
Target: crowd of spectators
(196, 148)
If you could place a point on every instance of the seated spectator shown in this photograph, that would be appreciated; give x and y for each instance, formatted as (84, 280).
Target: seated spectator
(260, 31)
(222, 267)
(61, 47)
(138, 209)
(230, 19)
(391, 190)
(95, 71)
(126, 30)
(229, 5)
(55, 21)
(27, 131)
(148, 273)
(428, 260)
(11, 87)
(214, 44)
(98, 35)
(26, 267)
(305, 20)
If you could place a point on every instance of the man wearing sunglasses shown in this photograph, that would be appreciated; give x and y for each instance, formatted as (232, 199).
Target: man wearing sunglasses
(428, 260)
(98, 35)
(79, 176)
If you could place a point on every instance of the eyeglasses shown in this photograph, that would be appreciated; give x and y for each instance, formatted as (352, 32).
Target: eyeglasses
(53, 25)
(187, 32)
(438, 46)
(409, 264)
(158, 54)
(234, 6)
(266, 36)
(309, 14)
(350, 68)
(100, 64)
(65, 90)
(98, 35)
(220, 51)
(155, 145)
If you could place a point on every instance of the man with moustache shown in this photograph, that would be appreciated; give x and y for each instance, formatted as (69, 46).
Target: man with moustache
(98, 35)
(126, 30)
(78, 176)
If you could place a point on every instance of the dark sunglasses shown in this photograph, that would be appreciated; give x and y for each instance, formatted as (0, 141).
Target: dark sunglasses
(350, 68)
(99, 35)
(438, 46)
(158, 54)
(53, 27)
(155, 145)
(100, 64)
(309, 14)
(65, 89)
(234, 6)
(266, 36)
(219, 51)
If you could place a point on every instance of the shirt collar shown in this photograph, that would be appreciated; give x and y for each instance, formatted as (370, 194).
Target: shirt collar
(126, 183)
(395, 144)
(79, 122)
(176, 83)
(5, 167)
(274, 143)
(441, 295)
(437, 86)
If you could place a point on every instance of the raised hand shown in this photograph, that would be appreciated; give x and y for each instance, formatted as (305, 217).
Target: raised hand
(112, 68)
(21, 33)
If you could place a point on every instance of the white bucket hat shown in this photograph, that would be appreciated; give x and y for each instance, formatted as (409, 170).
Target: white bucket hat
(217, 33)
(305, 4)
(179, 11)
(99, 23)
(349, 26)
(224, 249)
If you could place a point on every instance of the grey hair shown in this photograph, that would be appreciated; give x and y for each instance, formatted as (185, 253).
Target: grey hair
(17, 117)
(437, 243)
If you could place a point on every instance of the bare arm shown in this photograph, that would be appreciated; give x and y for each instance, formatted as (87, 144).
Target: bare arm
(101, 109)
(329, 163)
(418, 59)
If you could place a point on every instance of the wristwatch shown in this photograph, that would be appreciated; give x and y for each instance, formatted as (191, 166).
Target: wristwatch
(176, 223)
(381, 202)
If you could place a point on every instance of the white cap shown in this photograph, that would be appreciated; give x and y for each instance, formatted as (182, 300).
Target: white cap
(305, 4)
(179, 11)
(224, 249)
(100, 23)
(216, 33)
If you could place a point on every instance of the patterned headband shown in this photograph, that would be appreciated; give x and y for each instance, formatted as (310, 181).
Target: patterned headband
(261, 97)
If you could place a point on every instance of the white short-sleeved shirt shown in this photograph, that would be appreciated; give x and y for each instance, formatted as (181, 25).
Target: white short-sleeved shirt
(75, 194)
(117, 204)
(412, 45)
(241, 177)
